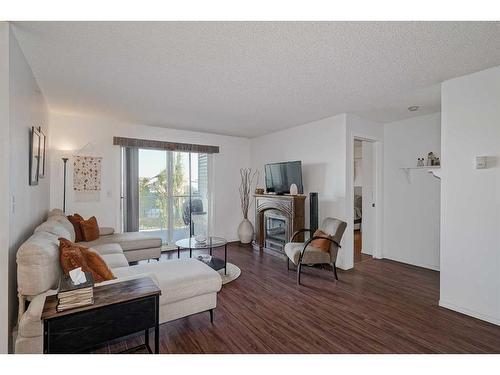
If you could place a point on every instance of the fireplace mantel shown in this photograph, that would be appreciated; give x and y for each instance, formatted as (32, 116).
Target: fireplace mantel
(289, 207)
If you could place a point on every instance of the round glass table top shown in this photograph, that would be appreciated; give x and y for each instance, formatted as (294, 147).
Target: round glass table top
(191, 243)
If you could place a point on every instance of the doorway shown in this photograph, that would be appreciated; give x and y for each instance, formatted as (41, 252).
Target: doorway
(364, 200)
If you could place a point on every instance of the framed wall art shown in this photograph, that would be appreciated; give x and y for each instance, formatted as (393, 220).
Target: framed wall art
(42, 153)
(34, 165)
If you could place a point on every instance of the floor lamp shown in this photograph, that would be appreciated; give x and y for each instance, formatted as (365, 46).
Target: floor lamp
(65, 160)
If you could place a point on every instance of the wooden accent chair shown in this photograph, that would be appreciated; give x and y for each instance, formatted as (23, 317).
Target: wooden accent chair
(303, 253)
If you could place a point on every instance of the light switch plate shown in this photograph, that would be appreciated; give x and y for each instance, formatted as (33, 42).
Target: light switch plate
(481, 162)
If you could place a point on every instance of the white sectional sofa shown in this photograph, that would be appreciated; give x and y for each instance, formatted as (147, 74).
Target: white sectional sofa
(135, 245)
(188, 286)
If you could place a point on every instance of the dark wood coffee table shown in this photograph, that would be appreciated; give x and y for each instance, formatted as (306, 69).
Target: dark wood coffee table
(119, 309)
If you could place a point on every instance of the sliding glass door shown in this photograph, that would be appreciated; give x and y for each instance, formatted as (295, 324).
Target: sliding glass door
(173, 197)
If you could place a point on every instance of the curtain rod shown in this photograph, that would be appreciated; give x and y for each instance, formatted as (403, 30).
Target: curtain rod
(162, 145)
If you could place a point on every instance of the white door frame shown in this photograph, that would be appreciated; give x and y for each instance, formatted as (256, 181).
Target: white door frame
(5, 193)
(377, 192)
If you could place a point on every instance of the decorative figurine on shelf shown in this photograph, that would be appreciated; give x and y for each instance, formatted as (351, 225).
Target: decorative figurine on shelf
(431, 159)
(420, 162)
(437, 161)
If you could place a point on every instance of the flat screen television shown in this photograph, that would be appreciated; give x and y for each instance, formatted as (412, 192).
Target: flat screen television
(279, 177)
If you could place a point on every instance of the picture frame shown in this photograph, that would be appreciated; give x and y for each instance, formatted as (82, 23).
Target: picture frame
(42, 153)
(34, 155)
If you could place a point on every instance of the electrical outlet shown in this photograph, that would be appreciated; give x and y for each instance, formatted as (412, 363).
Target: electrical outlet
(12, 204)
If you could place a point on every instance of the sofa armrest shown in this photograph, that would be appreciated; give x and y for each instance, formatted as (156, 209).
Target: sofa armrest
(30, 324)
(106, 231)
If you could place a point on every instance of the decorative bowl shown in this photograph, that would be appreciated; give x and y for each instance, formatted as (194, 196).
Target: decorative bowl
(200, 238)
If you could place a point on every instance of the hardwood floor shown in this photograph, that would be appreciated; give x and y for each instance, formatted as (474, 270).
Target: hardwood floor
(358, 241)
(380, 306)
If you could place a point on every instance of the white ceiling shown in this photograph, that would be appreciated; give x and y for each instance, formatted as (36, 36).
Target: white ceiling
(251, 78)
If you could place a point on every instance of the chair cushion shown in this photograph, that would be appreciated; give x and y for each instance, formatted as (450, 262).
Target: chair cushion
(127, 241)
(334, 228)
(312, 255)
(178, 279)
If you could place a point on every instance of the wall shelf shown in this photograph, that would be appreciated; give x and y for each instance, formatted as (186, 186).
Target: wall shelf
(435, 170)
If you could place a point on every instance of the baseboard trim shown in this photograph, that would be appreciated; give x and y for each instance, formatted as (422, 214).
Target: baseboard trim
(469, 312)
(428, 266)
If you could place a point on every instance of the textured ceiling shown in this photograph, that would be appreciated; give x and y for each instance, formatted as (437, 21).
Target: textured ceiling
(251, 78)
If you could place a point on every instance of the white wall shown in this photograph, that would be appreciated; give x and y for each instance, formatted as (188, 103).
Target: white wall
(72, 132)
(27, 108)
(320, 145)
(325, 148)
(470, 198)
(358, 163)
(411, 210)
(4, 188)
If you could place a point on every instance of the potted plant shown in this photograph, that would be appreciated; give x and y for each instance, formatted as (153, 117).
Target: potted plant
(245, 229)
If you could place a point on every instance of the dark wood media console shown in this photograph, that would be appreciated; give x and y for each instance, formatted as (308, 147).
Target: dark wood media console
(277, 217)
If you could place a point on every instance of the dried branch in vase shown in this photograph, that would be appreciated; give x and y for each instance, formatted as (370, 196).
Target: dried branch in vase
(248, 178)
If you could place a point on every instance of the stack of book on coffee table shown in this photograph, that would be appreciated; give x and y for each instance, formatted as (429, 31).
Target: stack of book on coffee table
(71, 296)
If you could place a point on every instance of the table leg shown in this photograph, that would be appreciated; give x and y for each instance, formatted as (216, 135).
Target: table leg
(157, 339)
(178, 252)
(157, 326)
(190, 252)
(225, 259)
(210, 251)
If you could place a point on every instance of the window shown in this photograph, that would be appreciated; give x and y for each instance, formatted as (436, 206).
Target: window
(173, 197)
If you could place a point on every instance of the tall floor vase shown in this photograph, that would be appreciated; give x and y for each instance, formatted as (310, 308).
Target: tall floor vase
(245, 231)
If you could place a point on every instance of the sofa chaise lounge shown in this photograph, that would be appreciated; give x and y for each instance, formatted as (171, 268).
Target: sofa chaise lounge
(188, 286)
(135, 245)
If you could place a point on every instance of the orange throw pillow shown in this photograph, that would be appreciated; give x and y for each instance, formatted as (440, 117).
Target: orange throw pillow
(90, 229)
(322, 244)
(97, 265)
(75, 219)
(70, 256)
(73, 256)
